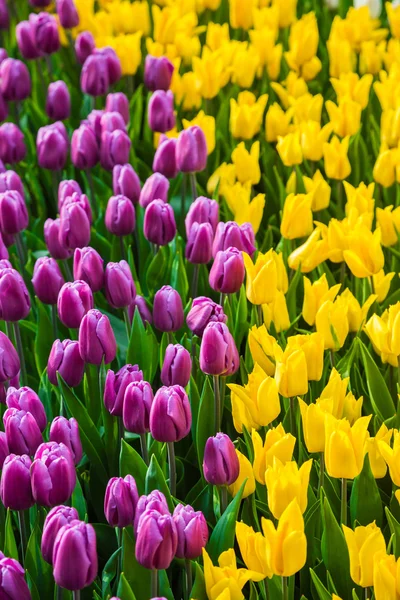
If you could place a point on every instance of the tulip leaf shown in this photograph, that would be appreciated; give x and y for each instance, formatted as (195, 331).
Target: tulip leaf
(142, 348)
(334, 551)
(109, 572)
(377, 388)
(136, 576)
(291, 295)
(194, 403)
(179, 280)
(155, 480)
(241, 325)
(44, 337)
(39, 569)
(124, 589)
(223, 536)
(78, 500)
(321, 590)
(205, 421)
(10, 545)
(365, 499)
(394, 526)
(131, 463)
(164, 585)
(199, 588)
(157, 270)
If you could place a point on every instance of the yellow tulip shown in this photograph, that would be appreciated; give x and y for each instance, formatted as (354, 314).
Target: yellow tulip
(371, 57)
(350, 85)
(341, 57)
(312, 139)
(265, 276)
(286, 10)
(336, 390)
(310, 254)
(207, 124)
(393, 14)
(241, 13)
(311, 68)
(352, 408)
(390, 127)
(263, 347)
(210, 72)
(253, 548)
(337, 164)
(297, 217)
(363, 545)
(286, 482)
(223, 178)
(315, 294)
(356, 315)
(226, 576)
(384, 333)
(307, 108)
(287, 544)
(376, 460)
(389, 223)
(345, 117)
(381, 283)
(217, 35)
(291, 373)
(246, 115)
(303, 41)
(392, 456)
(278, 444)
(128, 51)
(313, 347)
(187, 90)
(245, 472)
(386, 577)
(384, 168)
(244, 208)
(276, 312)
(289, 149)
(247, 163)
(313, 420)
(359, 198)
(269, 54)
(331, 321)
(244, 66)
(277, 122)
(345, 446)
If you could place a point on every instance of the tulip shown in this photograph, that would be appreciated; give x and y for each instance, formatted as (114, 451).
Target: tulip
(285, 483)
(202, 210)
(96, 338)
(67, 188)
(155, 501)
(220, 463)
(56, 518)
(120, 216)
(203, 311)
(118, 102)
(113, 63)
(160, 111)
(4, 450)
(13, 212)
(88, 266)
(84, 46)
(246, 114)
(177, 366)
(315, 294)
(199, 244)
(247, 163)
(112, 121)
(331, 321)
(12, 143)
(289, 149)
(165, 158)
(9, 360)
(116, 385)
(80, 200)
(391, 456)
(94, 120)
(386, 576)
(120, 501)
(364, 256)
(45, 30)
(119, 285)
(140, 304)
(95, 79)
(58, 101)
(15, 80)
(114, 149)
(74, 301)
(15, 484)
(337, 164)
(278, 445)
(364, 544)
(66, 431)
(313, 419)
(47, 280)
(51, 237)
(51, 147)
(12, 583)
(168, 309)
(65, 359)
(297, 218)
(26, 41)
(313, 347)
(84, 149)
(11, 181)
(158, 72)
(137, 401)
(155, 188)
(218, 352)
(192, 531)
(227, 272)
(4, 15)
(170, 414)
(253, 548)
(231, 234)
(376, 460)
(22, 431)
(156, 541)
(291, 373)
(191, 150)
(75, 545)
(15, 302)
(245, 473)
(159, 223)
(344, 446)
(74, 229)
(25, 399)
(53, 474)
(67, 13)
(3, 249)
(126, 182)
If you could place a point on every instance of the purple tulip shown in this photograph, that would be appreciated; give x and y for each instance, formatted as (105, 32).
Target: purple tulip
(221, 463)
(112, 121)
(13, 212)
(157, 73)
(12, 143)
(65, 359)
(4, 450)
(40, 3)
(58, 101)
(203, 210)
(64, 431)
(126, 182)
(144, 311)
(96, 338)
(56, 518)
(15, 484)
(22, 431)
(95, 79)
(113, 63)
(159, 223)
(192, 532)
(155, 501)
(9, 360)
(4, 15)
(74, 301)
(84, 46)
(114, 149)
(84, 148)
(231, 234)
(66, 189)
(81, 200)
(191, 150)
(160, 111)
(227, 272)
(168, 309)
(3, 248)
(155, 188)
(88, 266)
(119, 285)
(74, 226)
(75, 546)
(120, 501)
(156, 540)
(52, 474)
(67, 13)
(15, 80)
(170, 414)
(118, 102)
(165, 159)
(26, 399)
(45, 31)
(204, 311)
(11, 181)
(94, 120)
(51, 147)
(52, 239)
(12, 583)
(137, 401)
(47, 280)
(115, 386)
(120, 216)
(218, 352)
(177, 366)
(199, 244)
(15, 302)
(26, 41)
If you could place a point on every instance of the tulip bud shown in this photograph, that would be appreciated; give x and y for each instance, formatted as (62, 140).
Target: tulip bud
(66, 432)
(126, 182)
(9, 360)
(170, 414)
(95, 79)
(65, 359)
(58, 101)
(231, 234)
(366, 545)
(199, 244)
(137, 401)
(192, 531)
(94, 120)
(157, 73)
(227, 272)
(112, 121)
(96, 338)
(221, 463)
(160, 111)
(67, 13)
(118, 102)
(156, 540)
(114, 149)
(15, 80)
(167, 309)
(13, 212)
(12, 143)
(22, 431)
(56, 518)
(177, 366)
(218, 352)
(284, 483)
(52, 239)
(74, 226)
(4, 450)
(15, 484)
(11, 181)
(47, 280)
(82, 201)
(155, 188)
(45, 31)
(75, 546)
(51, 147)
(12, 583)
(204, 311)
(26, 41)
(119, 285)
(84, 46)
(88, 266)
(53, 474)
(120, 501)
(25, 399)
(164, 159)
(120, 216)
(84, 148)
(159, 223)
(113, 63)
(74, 301)
(155, 501)
(115, 386)
(4, 15)
(191, 150)
(144, 311)
(15, 302)
(67, 188)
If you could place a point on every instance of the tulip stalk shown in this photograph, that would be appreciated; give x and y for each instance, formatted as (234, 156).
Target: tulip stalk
(122, 247)
(143, 448)
(183, 201)
(22, 530)
(127, 322)
(154, 583)
(343, 502)
(195, 281)
(189, 579)
(76, 595)
(217, 404)
(18, 340)
(285, 588)
(54, 320)
(321, 471)
(223, 498)
(193, 185)
(92, 194)
(172, 468)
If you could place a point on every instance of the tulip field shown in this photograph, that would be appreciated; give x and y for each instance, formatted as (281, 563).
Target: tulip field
(199, 300)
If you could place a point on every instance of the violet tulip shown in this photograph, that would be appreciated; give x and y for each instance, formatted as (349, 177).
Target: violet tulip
(114, 149)
(119, 285)
(115, 386)
(94, 120)
(204, 311)
(96, 338)
(95, 79)
(84, 148)
(159, 223)
(199, 244)
(24, 398)
(58, 101)
(191, 150)
(88, 266)
(230, 234)
(22, 431)
(75, 546)
(12, 143)
(47, 280)
(26, 41)
(9, 360)
(168, 309)
(15, 302)
(160, 111)
(4, 449)
(66, 360)
(56, 518)
(164, 161)
(155, 188)
(52, 147)
(156, 540)
(158, 72)
(218, 352)
(4, 15)
(15, 80)
(227, 273)
(120, 501)
(53, 474)
(15, 484)
(177, 366)
(120, 216)
(192, 532)
(170, 414)
(144, 311)
(82, 201)
(137, 401)
(67, 13)
(221, 463)
(52, 239)
(12, 583)
(84, 46)
(13, 212)
(202, 210)
(74, 226)
(67, 188)
(45, 30)
(11, 181)
(113, 63)
(155, 501)
(66, 432)
(118, 102)
(112, 121)
(126, 182)
(74, 301)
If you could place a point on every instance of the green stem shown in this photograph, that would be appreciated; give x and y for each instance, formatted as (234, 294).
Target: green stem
(143, 447)
(118, 532)
(9, 329)
(217, 404)
(59, 593)
(172, 468)
(54, 321)
(19, 246)
(223, 498)
(76, 595)
(343, 503)
(93, 200)
(68, 270)
(193, 185)
(222, 299)
(20, 350)
(154, 583)
(291, 415)
(285, 588)
(195, 281)
(49, 66)
(127, 322)
(122, 247)
(321, 471)
(170, 337)
(22, 530)
(260, 315)
(183, 202)
(189, 579)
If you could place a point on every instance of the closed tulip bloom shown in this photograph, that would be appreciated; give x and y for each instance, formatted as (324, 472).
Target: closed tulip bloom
(15, 484)
(170, 414)
(203, 311)
(160, 111)
(245, 474)
(9, 360)
(53, 474)
(113, 63)
(119, 285)
(11, 181)
(74, 229)
(192, 530)
(218, 352)
(84, 148)
(88, 266)
(47, 280)
(24, 398)
(191, 150)
(74, 301)
(94, 120)
(112, 121)
(15, 302)
(126, 182)
(4, 450)
(45, 30)
(15, 80)
(364, 545)
(253, 548)
(230, 234)
(137, 401)
(56, 518)
(95, 79)
(155, 501)
(65, 359)
(51, 237)
(58, 101)
(157, 73)
(331, 321)
(13, 212)
(337, 164)
(120, 501)
(278, 445)
(202, 210)
(75, 546)
(177, 366)
(26, 41)
(12, 143)
(120, 216)
(220, 463)
(116, 384)
(227, 272)
(67, 13)
(291, 373)
(313, 421)
(66, 189)
(66, 432)
(315, 295)
(168, 309)
(114, 149)
(159, 223)
(286, 482)
(12, 583)
(96, 338)
(297, 218)
(156, 540)
(84, 46)
(80, 200)
(199, 244)
(345, 446)
(164, 161)
(155, 188)
(51, 147)
(144, 311)
(4, 15)
(386, 576)
(118, 102)
(22, 431)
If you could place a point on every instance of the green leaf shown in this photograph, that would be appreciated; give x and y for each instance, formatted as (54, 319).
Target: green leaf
(40, 571)
(365, 499)
(205, 421)
(78, 500)
(137, 576)
(291, 294)
(334, 551)
(199, 587)
(223, 536)
(321, 590)
(140, 349)
(10, 545)
(394, 526)
(377, 388)
(131, 463)
(109, 572)
(157, 269)
(179, 280)
(155, 480)
(124, 589)
(44, 337)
